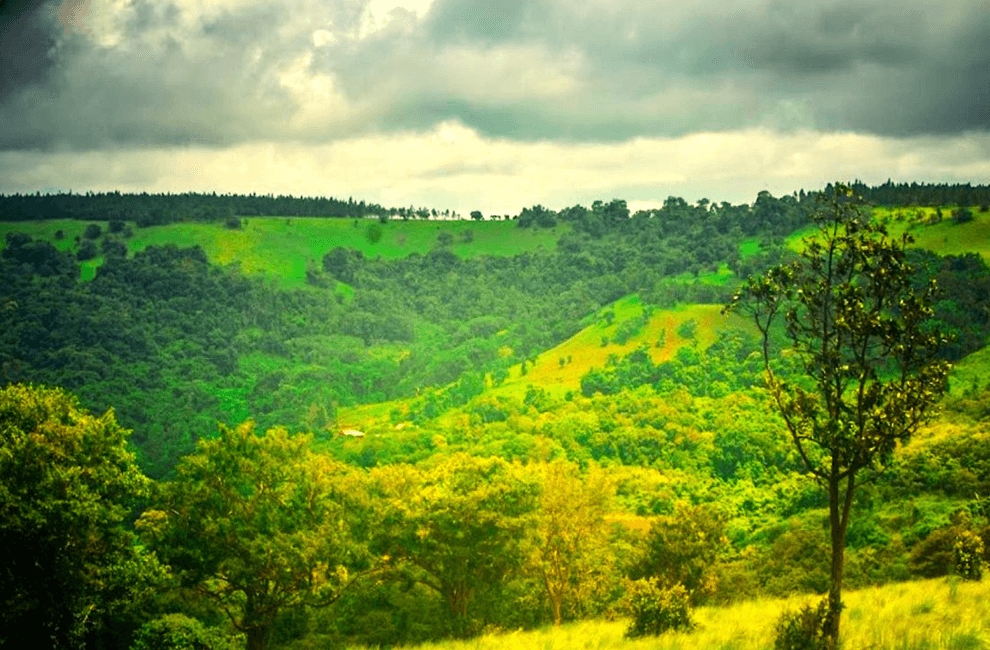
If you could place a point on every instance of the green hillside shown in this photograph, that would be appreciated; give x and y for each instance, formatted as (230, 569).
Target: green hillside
(281, 247)
(941, 235)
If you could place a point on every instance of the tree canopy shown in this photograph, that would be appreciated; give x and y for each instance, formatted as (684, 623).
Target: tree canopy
(67, 485)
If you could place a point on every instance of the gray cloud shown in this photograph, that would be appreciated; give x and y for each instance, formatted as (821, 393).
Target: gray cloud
(569, 70)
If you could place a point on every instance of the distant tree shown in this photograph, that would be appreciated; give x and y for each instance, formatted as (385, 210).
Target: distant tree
(60, 234)
(115, 226)
(87, 250)
(67, 486)
(373, 233)
(113, 248)
(476, 215)
(92, 231)
(962, 215)
(858, 327)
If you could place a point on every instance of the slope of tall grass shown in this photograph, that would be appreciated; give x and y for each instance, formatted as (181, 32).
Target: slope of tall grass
(939, 614)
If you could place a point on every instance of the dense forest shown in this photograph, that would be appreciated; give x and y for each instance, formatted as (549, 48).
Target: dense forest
(474, 499)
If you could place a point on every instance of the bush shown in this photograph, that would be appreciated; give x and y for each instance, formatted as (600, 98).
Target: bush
(373, 233)
(233, 223)
(804, 629)
(962, 215)
(656, 610)
(87, 250)
(180, 632)
(92, 231)
(116, 226)
(968, 552)
(688, 329)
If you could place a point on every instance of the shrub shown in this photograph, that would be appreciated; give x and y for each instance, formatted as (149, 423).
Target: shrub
(116, 226)
(87, 250)
(233, 223)
(179, 632)
(92, 231)
(968, 552)
(804, 629)
(656, 610)
(962, 215)
(373, 233)
(688, 329)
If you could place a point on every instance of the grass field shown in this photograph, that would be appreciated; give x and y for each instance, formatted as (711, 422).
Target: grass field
(940, 614)
(281, 247)
(945, 237)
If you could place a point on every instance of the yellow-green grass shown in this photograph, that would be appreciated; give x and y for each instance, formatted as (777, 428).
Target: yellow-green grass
(585, 349)
(281, 247)
(927, 615)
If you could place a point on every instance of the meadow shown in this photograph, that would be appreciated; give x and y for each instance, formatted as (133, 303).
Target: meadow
(282, 247)
(937, 614)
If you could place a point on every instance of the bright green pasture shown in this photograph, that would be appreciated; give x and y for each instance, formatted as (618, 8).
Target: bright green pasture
(281, 247)
(945, 237)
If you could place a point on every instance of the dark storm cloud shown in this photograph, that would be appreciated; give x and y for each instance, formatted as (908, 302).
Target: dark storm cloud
(573, 70)
(26, 44)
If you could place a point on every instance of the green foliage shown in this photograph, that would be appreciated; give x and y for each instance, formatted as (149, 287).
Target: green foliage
(687, 329)
(804, 629)
(459, 527)
(683, 549)
(180, 632)
(373, 233)
(969, 555)
(258, 525)
(657, 609)
(572, 555)
(92, 231)
(67, 486)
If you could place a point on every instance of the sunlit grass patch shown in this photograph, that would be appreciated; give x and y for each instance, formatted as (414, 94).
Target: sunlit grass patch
(940, 614)
(585, 350)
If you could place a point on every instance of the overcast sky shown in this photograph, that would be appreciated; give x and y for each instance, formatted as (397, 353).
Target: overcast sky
(491, 105)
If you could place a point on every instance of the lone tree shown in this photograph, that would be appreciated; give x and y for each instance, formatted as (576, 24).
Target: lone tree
(847, 310)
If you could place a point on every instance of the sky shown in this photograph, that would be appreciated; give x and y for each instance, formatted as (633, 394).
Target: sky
(492, 105)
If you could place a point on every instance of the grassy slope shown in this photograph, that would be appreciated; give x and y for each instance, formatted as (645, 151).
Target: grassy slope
(944, 238)
(586, 351)
(282, 247)
(926, 615)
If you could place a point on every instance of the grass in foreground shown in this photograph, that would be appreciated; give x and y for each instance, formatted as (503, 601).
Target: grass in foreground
(928, 615)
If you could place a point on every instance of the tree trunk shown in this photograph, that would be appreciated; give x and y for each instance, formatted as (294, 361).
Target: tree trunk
(839, 505)
(255, 638)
